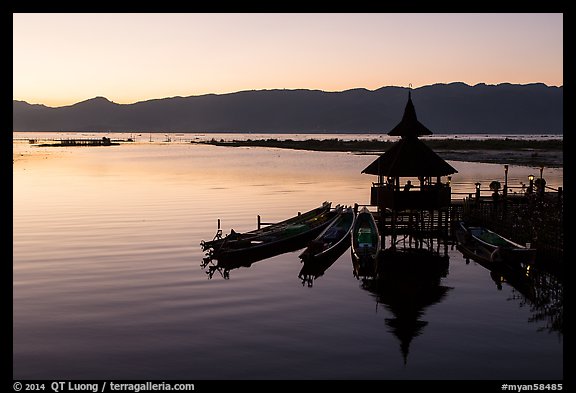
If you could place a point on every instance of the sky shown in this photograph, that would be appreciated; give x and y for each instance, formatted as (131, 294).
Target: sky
(62, 59)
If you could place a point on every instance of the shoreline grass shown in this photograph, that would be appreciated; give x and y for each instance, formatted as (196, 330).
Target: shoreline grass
(529, 152)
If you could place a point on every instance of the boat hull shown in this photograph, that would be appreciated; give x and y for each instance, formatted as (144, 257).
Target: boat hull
(291, 238)
(365, 244)
(490, 247)
(333, 240)
(218, 240)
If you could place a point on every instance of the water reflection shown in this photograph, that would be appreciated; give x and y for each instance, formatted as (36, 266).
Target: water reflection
(407, 284)
(533, 287)
(91, 226)
(544, 296)
(242, 249)
(212, 266)
(313, 268)
(362, 268)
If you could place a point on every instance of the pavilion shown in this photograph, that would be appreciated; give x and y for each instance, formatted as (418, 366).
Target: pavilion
(410, 158)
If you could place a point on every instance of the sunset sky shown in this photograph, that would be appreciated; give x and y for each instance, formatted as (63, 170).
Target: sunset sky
(61, 59)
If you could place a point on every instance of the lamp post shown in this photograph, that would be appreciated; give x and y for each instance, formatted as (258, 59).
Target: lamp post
(542, 183)
(531, 185)
(477, 191)
(505, 191)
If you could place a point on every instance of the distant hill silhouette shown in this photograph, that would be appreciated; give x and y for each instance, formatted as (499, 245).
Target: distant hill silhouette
(443, 108)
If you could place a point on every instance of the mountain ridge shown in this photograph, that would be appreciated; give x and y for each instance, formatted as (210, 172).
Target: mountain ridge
(444, 108)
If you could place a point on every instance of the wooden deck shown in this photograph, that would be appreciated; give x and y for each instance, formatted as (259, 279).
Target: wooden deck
(535, 219)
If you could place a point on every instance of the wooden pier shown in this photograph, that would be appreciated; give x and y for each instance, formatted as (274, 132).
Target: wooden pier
(420, 230)
(533, 219)
(536, 219)
(421, 223)
(414, 206)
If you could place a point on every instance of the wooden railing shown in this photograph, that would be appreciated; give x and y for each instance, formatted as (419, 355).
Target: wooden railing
(428, 197)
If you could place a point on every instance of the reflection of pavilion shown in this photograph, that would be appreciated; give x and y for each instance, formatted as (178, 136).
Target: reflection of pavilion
(407, 278)
(406, 290)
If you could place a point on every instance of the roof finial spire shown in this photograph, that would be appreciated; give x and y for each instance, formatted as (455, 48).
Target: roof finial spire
(409, 125)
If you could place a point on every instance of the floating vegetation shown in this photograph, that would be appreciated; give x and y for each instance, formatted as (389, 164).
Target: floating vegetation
(527, 151)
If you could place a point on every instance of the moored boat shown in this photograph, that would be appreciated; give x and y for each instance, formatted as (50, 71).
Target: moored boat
(288, 237)
(218, 240)
(481, 243)
(335, 239)
(365, 244)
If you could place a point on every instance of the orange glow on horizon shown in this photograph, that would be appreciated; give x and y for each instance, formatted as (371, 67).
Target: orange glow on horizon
(63, 59)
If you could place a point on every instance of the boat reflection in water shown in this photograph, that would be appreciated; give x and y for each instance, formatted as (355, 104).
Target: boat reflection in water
(407, 284)
(212, 266)
(362, 269)
(242, 249)
(313, 268)
(533, 287)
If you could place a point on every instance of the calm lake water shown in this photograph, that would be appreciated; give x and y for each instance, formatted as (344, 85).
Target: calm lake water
(108, 282)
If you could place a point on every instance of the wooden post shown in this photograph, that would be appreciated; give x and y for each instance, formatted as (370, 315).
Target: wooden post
(477, 192)
(393, 229)
(505, 191)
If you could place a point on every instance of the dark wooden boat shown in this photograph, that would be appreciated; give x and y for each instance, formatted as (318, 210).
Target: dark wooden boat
(218, 240)
(365, 244)
(481, 243)
(333, 240)
(323, 251)
(290, 237)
